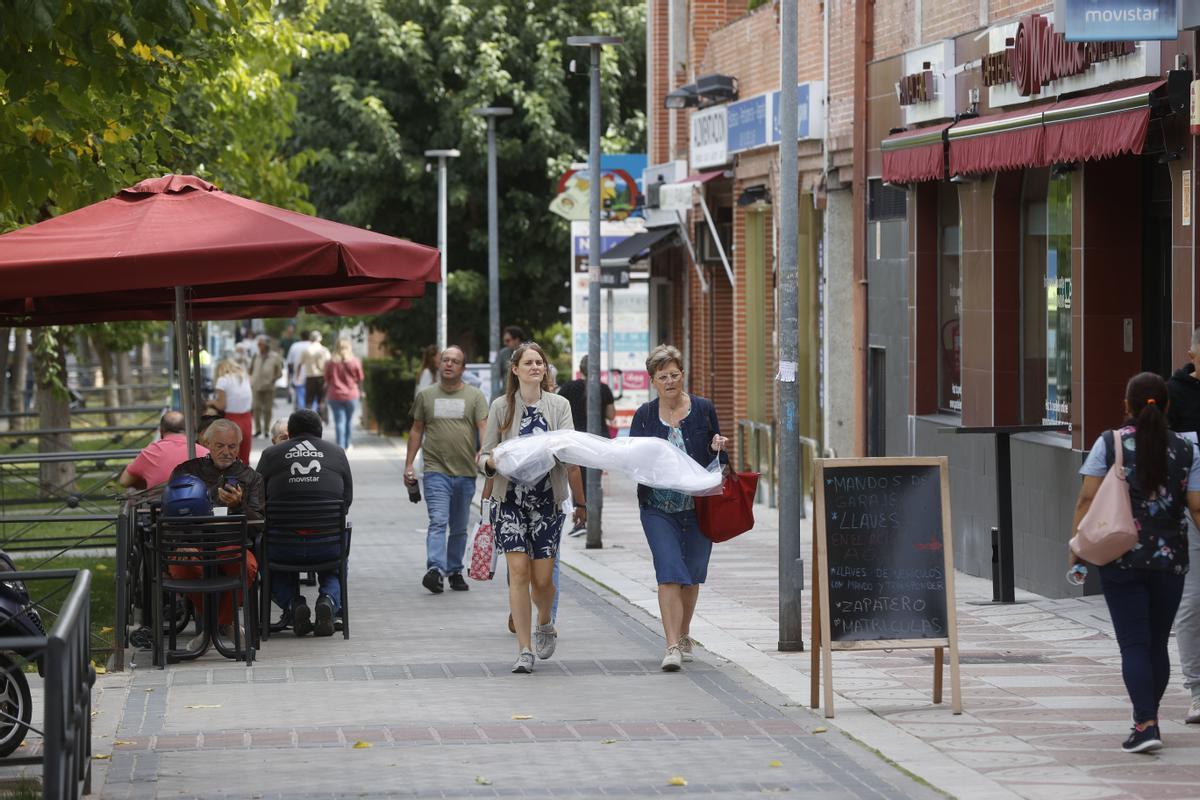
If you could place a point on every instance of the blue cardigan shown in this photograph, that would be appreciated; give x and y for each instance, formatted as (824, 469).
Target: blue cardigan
(698, 428)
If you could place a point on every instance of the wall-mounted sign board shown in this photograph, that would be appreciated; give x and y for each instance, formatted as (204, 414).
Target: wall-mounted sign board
(884, 564)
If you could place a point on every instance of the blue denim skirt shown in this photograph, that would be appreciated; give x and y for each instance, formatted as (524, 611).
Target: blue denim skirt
(679, 549)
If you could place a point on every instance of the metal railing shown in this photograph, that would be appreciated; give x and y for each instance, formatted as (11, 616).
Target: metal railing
(86, 491)
(762, 438)
(78, 412)
(69, 678)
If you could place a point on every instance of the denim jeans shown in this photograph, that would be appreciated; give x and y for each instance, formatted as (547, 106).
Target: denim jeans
(343, 414)
(298, 389)
(1142, 604)
(448, 500)
(285, 586)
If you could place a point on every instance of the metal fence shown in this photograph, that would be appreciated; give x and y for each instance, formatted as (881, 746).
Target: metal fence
(69, 678)
(756, 443)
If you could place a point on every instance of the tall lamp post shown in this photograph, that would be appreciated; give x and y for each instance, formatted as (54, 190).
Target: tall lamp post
(595, 412)
(441, 156)
(490, 113)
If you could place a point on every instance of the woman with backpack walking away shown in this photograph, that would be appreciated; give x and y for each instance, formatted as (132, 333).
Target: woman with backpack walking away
(1142, 587)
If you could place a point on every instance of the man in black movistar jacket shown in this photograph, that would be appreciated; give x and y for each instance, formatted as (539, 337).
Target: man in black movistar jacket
(307, 467)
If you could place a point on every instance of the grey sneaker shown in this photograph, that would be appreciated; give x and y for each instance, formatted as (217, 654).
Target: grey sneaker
(673, 660)
(1193, 714)
(544, 639)
(685, 647)
(524, 662)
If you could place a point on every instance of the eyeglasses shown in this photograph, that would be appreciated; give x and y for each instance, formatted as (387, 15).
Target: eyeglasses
(668, 377)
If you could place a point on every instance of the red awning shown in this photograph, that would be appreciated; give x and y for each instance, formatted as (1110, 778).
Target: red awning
(997, 142)
(703, 177)
(1100, 125)
(915, 156)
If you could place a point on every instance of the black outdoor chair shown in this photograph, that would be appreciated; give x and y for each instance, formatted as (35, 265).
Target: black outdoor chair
(209, 543)
(303, 522)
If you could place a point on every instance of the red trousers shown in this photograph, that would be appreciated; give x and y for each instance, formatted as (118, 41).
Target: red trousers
(225, 610)
(246, 423)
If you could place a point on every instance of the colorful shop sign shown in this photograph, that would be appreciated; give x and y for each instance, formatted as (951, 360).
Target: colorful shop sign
(1117, 20)
(926, 92)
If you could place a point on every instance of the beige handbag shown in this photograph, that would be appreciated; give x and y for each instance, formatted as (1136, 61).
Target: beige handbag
(1107, 531)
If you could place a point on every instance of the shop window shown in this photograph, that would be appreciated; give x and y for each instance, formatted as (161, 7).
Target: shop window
(949, 301)
(1046, 275)
(723, 221)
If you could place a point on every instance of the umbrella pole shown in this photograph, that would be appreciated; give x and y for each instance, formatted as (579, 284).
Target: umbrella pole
(186, 396)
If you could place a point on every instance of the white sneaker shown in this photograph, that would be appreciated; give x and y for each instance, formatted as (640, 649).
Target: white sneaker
(685, 648)
(524, 663)
(544, 639)
(1193, 714)
(673, 660)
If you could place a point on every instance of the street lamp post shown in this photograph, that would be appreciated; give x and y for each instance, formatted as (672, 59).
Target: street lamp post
(441, 156)
(490, 113)
(595, 412)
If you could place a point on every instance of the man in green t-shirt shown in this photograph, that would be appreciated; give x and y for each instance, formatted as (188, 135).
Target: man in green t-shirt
(448, 423)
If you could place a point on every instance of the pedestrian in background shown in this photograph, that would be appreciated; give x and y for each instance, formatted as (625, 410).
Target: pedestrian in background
(313, 359)
(266, 367)
(1183, 414)
(428, 373)
(448, 420)
(233, 398)
(1142, 588)
(295, 367)
(680, 551)
(528, 520)
(343, 382)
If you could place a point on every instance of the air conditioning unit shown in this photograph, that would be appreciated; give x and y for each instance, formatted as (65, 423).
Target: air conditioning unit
(653, 179)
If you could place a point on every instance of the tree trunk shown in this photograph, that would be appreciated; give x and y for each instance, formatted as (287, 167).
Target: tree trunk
(4, 332)
(50, 356)
(146, 358)
(107, 378)
(125, 378)
(20, 372)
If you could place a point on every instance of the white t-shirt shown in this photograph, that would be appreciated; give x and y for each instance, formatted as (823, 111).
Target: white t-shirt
(238, 398)
(294, 354)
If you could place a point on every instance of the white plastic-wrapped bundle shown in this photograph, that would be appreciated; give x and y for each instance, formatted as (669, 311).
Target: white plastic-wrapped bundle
(647, 459)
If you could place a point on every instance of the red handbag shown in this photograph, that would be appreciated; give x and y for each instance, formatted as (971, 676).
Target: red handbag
(730, 513)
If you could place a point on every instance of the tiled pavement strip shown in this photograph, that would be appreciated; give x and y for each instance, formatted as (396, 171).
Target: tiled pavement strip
(1044, 705)
(425, 682)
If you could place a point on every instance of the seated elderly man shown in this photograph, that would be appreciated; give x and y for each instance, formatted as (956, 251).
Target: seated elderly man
(231, 484)
(307, 467)
(279, 431)
(158, 459)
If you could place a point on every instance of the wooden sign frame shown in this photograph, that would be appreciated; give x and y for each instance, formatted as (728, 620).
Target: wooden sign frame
(822, 642)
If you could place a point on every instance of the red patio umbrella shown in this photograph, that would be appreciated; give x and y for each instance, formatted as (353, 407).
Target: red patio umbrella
(138, 254)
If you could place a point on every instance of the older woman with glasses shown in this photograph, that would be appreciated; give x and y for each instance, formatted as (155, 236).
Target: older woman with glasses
(679, 549)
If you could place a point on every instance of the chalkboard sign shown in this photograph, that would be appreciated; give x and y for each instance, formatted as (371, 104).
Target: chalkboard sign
(884, 548)
(884, 566)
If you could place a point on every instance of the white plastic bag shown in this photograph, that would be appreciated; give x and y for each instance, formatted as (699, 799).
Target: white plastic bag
(646, 459)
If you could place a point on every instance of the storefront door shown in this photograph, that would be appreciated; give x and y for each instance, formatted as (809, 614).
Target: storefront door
(1156, 267)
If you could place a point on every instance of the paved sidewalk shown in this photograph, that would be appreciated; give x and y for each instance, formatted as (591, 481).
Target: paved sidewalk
(421, 702)
(1045, 710)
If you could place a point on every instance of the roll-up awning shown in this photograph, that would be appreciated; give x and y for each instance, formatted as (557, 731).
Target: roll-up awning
(1100, 125)
(628, 249)
(915, 156)
(997, 142)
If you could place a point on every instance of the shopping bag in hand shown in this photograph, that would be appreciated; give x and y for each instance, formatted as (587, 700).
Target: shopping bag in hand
(483, 551)
(730, 513)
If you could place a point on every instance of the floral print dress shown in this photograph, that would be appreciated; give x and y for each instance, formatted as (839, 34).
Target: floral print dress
(528, 520)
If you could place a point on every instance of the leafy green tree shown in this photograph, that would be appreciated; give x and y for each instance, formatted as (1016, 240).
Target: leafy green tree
(412, 73)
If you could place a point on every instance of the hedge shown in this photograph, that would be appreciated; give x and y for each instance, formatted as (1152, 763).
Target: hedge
(389, 389)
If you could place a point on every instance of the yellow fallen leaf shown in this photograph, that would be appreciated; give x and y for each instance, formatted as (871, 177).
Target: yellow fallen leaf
(100, 670)
(361, 745)
(122, 741)
(608, 741)
(482, 781)
(775, 764)
(106, 629)
(522, 716)
(101, 756)
(677, 780)
(101, 567)
(205, 705)
(819, 730)
(151, 689)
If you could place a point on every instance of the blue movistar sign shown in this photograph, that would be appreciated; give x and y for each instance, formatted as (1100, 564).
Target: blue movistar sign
(1119, 20)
